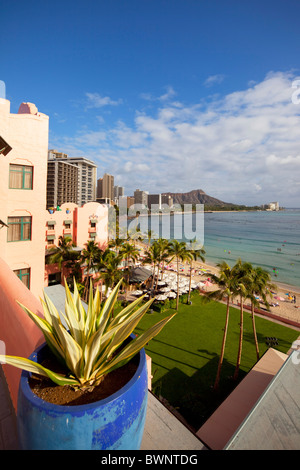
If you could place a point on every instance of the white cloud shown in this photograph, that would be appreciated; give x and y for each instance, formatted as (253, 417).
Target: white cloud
(242, 148)
(214, 80)
(94, 100)
(170, 93)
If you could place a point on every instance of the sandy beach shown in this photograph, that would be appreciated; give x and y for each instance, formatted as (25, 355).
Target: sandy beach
(284, 308)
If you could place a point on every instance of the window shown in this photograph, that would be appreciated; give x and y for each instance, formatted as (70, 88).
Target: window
(19, 229)
(20, 176)
(24, 276)
(67, 224)
(54, 279)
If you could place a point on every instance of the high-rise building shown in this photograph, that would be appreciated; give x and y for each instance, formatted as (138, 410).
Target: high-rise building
(62, 182)
(154, 200)
(87, 176)
(23, 169)
(167, 199)
(118, 192)
(105, 187)
(140, 197)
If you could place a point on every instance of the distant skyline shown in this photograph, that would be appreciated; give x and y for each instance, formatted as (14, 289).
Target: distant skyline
(166, 95)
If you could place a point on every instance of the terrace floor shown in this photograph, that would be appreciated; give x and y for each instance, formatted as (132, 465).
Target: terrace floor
(163, 431)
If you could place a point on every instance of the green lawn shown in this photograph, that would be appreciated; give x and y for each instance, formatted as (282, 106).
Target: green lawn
(185, 354)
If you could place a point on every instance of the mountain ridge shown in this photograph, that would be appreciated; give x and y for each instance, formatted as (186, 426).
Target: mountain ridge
(196, 196)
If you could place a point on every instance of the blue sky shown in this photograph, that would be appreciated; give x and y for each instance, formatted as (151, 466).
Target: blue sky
(165, 95)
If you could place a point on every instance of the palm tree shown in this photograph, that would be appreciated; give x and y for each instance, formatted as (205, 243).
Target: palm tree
(109, 269)
(259, 284)
(152, 256)
(63, 252)
(179, 251)
(163, 255)
(196, 253)
(150, 235)
(226, 281)
(130, 253)
(116, 243)
(241, 272)
(90, 256)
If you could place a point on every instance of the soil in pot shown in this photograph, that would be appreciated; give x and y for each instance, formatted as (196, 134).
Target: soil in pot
(65, 395)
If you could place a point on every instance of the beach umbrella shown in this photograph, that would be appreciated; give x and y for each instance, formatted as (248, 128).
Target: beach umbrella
(165, 289)
(182, 285)
(161, 297)
(171, 295)
(172, 286)
(137, 292)
(200, 284)
(183, 291)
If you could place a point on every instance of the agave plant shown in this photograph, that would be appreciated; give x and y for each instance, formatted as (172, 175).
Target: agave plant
(93, 343)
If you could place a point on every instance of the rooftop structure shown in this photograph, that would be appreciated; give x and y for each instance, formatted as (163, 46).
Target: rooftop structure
(274, 422)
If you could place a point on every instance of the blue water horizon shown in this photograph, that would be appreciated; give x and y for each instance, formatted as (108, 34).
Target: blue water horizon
(270, 239)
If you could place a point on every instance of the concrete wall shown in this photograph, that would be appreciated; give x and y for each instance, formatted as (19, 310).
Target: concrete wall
(17, 331)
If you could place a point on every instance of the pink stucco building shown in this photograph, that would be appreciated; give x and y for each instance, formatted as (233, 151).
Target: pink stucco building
(81, 223)
(27, 229)
(23, 192)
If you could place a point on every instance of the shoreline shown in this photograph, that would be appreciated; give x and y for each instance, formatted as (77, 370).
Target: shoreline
(180, 212)
(201, 270)
(285, 309)
(280, 285)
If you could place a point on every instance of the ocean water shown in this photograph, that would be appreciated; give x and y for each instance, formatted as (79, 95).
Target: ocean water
(267, 239)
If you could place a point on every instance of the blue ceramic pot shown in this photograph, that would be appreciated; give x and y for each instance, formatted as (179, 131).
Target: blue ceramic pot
(114, 423)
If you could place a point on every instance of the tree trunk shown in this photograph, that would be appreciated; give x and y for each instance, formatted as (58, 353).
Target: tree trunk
(153, 275)
(86, 284)
(177, 298)
(190, 284)
(157, 277)
(254, 332)
(216, 385)
(238, 362)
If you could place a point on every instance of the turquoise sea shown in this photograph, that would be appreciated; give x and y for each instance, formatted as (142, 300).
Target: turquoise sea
(264, 238)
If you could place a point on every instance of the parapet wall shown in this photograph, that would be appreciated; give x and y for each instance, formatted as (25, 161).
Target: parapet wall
(19, 334)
